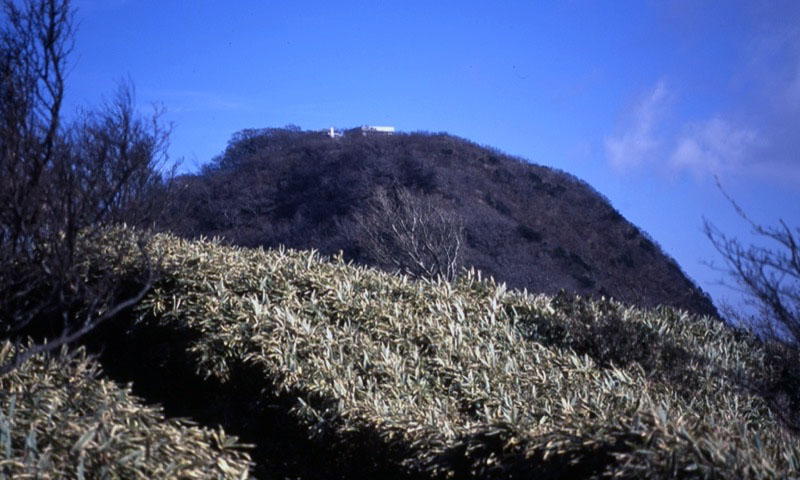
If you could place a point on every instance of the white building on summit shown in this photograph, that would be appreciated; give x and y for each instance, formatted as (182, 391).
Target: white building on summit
(365, 130)
(333, 133)
(374, 129)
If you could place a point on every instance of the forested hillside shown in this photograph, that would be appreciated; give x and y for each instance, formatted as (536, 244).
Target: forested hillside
(533, 227)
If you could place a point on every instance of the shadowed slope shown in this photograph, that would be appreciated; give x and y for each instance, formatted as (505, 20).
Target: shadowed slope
(530, 226)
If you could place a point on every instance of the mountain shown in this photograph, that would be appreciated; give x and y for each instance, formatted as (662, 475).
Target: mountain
(530, 226)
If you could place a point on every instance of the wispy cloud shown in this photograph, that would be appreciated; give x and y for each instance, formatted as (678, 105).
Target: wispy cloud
(715, 147)
(639, 143)
(780, 118)
(721, 144)
(741, 124)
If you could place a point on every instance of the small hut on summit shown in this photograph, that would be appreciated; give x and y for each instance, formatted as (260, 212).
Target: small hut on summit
(376, 130)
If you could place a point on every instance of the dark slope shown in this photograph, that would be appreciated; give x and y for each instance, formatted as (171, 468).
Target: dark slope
(527, 225)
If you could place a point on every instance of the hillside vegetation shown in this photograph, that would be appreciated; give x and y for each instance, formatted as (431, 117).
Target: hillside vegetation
(407, 378)
(340, 371)
(530, 226)
(60, 419)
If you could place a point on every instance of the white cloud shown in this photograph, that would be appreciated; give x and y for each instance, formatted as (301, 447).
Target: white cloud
(639, 143)
(715, 147)
(741, 125)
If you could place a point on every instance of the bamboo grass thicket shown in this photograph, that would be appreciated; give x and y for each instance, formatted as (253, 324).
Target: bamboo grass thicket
(469, 377)
(60, 419)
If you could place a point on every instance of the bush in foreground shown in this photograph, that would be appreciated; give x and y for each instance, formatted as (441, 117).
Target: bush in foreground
(469, 380)
(60, 419)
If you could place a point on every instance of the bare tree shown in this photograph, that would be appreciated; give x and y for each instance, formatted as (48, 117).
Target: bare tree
(63, 185)
(768, 277)
(412, 234)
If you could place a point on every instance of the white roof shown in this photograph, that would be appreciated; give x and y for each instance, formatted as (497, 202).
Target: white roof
(378, 128)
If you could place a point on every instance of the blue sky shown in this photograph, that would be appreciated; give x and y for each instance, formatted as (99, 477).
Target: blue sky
(646, 101)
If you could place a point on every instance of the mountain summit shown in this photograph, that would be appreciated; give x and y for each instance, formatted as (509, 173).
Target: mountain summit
(530, 226)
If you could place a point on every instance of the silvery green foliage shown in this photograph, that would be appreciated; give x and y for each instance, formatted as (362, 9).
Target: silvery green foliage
(60, 419)
(466, 374)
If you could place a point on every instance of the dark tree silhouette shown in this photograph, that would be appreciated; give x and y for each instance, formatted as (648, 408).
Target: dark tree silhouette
(769, 277)
(63, 186)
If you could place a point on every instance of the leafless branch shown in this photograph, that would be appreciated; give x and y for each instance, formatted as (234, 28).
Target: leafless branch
(62, 186)
(769, 277)
(411, 234)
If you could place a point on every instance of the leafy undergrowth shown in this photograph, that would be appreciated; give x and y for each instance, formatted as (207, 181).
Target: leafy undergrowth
(60, 419)
(470, 380)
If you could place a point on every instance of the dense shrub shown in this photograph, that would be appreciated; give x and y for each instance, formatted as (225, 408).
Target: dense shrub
(60, 419)
(469, 380)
